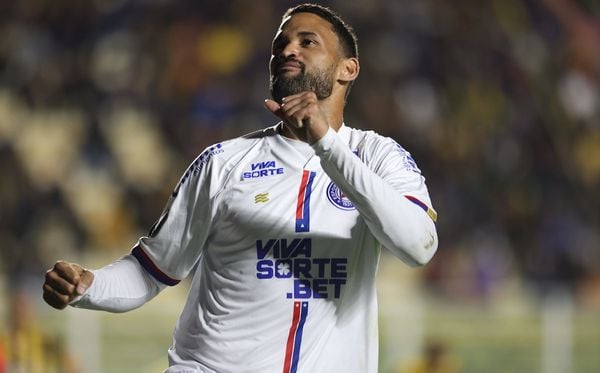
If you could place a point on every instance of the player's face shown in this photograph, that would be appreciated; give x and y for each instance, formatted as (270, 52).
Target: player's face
(304, 57)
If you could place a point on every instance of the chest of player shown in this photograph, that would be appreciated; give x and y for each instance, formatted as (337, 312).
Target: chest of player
(277, 198)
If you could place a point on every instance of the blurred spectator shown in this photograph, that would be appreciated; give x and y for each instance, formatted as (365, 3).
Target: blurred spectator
(26, 348)
(102, 106)
(437, 358)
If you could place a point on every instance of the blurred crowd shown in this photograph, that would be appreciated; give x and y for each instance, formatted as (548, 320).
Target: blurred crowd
(104, 103)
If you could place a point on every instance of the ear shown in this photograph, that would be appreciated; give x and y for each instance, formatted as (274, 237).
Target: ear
(349, 69)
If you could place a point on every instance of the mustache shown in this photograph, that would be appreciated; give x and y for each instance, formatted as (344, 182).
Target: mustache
(283, 60)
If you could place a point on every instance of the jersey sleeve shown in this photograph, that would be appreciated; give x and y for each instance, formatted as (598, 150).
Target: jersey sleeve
(397, 167)
(388, 191)
(175, 242)
(119, 287)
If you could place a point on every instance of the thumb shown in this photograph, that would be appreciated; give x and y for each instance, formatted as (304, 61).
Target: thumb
(85, 280)
(273, 107)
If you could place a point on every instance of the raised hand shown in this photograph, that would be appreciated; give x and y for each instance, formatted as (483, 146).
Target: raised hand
(301, 111)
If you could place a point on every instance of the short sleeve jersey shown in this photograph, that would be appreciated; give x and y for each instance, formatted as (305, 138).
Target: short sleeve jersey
(283, 264)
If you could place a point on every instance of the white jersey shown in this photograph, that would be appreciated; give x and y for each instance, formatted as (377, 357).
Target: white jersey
(284, 239)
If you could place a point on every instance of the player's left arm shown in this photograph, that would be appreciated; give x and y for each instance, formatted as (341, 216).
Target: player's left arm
(392, 199)
(389, 193)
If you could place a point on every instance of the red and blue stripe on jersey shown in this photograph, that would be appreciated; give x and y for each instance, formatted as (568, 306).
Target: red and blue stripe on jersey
(151, 268)
(431, 212)
(303, 203)
(294, 340)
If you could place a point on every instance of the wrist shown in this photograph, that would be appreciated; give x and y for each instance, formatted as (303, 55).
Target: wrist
(325, 143)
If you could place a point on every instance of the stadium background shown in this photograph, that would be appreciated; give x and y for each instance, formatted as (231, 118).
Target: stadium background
(104, 103)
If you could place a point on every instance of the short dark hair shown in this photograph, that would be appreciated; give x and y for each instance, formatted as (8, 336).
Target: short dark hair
(344, 31)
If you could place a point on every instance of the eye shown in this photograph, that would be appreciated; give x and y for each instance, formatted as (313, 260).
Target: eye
(308, 42)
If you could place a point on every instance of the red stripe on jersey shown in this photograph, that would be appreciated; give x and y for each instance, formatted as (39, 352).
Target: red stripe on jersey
(289, 347)
(151, 268)
(431, 212)
(301, 193)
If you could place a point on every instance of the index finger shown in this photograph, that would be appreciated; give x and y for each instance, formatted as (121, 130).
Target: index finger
(273, 106)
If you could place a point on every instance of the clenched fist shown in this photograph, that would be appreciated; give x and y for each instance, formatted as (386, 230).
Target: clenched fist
(65, 282)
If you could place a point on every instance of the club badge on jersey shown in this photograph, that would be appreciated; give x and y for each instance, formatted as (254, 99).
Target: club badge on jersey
(338, 198)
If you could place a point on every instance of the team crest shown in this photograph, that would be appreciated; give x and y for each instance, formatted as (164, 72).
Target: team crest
(338, 199)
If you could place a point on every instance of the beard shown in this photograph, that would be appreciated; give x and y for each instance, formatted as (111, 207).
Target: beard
(320, 82)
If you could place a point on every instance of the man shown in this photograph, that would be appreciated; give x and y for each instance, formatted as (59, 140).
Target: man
(282, 227)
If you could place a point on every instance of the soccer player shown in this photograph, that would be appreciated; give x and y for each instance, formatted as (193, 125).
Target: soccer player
(282, 228)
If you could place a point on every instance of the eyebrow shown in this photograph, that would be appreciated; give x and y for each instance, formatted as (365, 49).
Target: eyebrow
(301, 34)
(307, 33)
(281, 36)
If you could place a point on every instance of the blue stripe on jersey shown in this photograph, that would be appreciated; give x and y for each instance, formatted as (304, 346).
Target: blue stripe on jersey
(149, 266)
(298, 339)
(431, 212)
(303, 222)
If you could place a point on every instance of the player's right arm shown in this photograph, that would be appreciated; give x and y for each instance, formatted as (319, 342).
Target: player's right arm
(121, 286)
(162, 259)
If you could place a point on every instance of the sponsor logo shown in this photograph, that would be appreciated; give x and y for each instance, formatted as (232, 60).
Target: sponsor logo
(261, 198)
(338, 198)
(262, 169)
(280, 259)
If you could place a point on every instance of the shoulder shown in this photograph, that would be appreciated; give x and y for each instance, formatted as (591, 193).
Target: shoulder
(371, 146)
(366, 138)
(232, 150)
(216, 161)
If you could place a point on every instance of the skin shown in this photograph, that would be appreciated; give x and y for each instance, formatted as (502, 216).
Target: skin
(65, 282)
(308, 38)
(303, 37)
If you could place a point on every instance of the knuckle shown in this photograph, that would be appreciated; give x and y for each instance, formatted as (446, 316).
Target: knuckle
(61, 301)
(48, 290)
(54, 301)
(70, 288)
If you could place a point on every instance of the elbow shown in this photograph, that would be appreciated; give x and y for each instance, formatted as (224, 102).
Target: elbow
(421, 255)
(417, 251)
(426, 247)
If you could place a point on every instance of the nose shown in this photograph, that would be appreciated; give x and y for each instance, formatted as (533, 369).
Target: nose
(289, 50)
